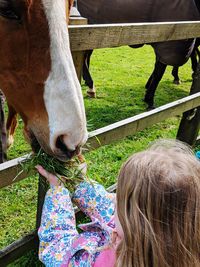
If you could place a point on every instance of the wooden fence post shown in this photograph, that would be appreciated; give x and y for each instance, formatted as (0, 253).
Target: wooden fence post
(42, 189)
(190, 123)
(78, 56)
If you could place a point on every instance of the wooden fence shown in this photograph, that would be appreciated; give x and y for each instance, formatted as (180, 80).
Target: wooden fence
(100, 36)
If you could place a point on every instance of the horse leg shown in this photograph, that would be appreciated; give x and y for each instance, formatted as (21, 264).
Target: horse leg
(91, 92)
(3, 146)
(149, 81)
(197, 52)
(175, 75)
(86, 64)
(195, 56)
(11, 125)
(194, 61)
(156, 76)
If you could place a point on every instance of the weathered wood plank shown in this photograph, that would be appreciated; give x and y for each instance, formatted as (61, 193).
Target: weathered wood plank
(78, 56)
(113, 35)
(113, 132)
(77, 21)
(11, 171)
(42, 189)
(18, 248)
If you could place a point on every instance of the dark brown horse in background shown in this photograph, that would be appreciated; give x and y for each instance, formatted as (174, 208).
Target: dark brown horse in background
(174, 53)
(195, 58)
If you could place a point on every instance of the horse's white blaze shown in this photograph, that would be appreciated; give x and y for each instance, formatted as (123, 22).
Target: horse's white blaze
(62, 94)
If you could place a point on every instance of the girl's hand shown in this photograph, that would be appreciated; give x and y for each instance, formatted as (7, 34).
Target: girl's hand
(51, 178)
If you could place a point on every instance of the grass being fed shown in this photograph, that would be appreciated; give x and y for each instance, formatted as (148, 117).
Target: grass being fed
(69, 173)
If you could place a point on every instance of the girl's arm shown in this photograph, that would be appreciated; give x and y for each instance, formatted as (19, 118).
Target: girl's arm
(57, 230)
(59, 240)
(60, 244)
(95, 201)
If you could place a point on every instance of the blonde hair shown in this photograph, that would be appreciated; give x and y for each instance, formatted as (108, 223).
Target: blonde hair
(158, 205)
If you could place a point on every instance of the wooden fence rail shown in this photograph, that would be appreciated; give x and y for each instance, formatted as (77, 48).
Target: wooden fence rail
(85, 37)
(100, 36)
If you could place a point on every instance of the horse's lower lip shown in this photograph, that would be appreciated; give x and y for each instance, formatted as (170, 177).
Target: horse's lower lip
(63, 156)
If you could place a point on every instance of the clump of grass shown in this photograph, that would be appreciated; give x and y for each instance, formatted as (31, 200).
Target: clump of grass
(69, 173)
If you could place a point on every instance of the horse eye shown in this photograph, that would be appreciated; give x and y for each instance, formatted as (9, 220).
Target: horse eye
(8, 11)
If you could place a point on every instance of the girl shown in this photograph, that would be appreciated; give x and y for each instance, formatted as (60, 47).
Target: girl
(156, 222)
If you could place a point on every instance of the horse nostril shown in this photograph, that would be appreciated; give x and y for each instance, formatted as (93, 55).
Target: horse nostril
(63, 147)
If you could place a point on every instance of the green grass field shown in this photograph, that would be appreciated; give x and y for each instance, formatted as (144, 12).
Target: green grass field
(120, 75)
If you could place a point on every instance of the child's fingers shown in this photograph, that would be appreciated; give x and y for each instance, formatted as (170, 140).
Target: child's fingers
(43, 172)
(51, 178)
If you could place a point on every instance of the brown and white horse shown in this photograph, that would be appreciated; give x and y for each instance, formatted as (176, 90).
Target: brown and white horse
(38, 77)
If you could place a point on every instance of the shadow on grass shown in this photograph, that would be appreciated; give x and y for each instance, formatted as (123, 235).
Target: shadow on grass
(168, 92)
(105, 110)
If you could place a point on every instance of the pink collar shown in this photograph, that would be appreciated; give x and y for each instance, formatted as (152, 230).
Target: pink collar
(106, 258)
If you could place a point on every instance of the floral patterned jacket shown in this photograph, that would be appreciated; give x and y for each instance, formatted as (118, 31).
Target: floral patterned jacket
(61, 244)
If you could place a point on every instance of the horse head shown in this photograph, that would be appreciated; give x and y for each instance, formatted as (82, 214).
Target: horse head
(38, 77)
